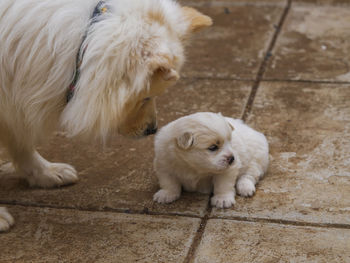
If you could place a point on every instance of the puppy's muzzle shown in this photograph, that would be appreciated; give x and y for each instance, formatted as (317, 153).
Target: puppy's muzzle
(151, 129)
(230, 159)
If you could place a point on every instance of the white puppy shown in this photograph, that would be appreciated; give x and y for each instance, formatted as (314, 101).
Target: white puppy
(92, 67)
(207, 152)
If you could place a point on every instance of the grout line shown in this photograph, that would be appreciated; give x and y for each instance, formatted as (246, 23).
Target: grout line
(263, 65)
(198, 237)
(310, 81)
(203, 223)
(217, 78)
(282, 222)
(224, 3)
(307, 81)
(105, 209)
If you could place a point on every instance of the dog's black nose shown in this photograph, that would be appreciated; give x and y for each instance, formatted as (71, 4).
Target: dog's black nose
(230, 159)
(150, 130)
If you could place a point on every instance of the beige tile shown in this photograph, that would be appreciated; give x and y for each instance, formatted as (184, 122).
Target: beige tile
(324, 2)
(308, 128)
(234, 46)
(54, 235)
(234, 241)
(121, 176)
(209, 3)
(313, 45)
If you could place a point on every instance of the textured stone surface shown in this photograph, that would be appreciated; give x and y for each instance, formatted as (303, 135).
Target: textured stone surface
(324, 2)
(109, 215)
(308, 128)
(210, 3)
(121, 176)
(234, 46)
(314, 45)
(54, 235)
(234, 241)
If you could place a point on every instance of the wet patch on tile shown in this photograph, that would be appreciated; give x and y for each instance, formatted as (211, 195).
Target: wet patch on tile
(54, 235)
(234, 46)
(235, 241)
(308, 128)
(121, 177)
(324, 2)
(313, 45)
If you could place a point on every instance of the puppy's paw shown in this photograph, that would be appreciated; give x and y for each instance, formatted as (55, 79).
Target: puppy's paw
(53, 175)
(6, 220)
(223, 200)
(165, 196)
(245, 187)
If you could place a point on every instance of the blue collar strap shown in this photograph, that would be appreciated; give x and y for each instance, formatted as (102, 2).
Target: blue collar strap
(100, 9)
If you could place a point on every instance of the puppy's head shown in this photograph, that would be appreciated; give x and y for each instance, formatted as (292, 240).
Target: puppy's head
(204, 143)
(131, 56)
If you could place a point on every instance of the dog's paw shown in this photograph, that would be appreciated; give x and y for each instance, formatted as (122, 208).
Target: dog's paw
(7, 168)
(55, 174)
(6, 220)
(223, 200)
(165, 196)
(245, 187)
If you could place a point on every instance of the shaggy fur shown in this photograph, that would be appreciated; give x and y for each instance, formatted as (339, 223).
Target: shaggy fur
(132, 54)
(207, 152)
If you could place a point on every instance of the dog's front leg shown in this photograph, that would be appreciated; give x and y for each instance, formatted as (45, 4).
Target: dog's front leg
(39, 172)
(224, 190)
(246, 183)
(170, 188)
(6, 220)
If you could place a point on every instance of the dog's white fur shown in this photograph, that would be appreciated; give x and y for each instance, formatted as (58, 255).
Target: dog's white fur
(183, 159)
(131, 55)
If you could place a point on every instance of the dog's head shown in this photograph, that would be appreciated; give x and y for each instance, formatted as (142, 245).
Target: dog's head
(204, 142)
(131, 56)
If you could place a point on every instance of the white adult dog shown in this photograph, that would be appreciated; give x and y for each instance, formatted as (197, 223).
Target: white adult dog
(92, 67)
(207, 152)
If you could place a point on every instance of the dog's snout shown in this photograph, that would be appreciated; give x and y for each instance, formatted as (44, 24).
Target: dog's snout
(230, 159)
(152, 129)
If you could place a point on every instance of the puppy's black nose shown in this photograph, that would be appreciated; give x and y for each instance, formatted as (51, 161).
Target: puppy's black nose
(150, 130)
(230, 159)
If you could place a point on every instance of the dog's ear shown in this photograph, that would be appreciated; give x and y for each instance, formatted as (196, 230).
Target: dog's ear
(161, 67)
(167, 73)
(197, 20)
(185, 141)
(230, 125)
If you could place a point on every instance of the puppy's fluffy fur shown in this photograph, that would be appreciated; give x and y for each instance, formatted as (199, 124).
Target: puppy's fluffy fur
(131, 55)
(207, 152)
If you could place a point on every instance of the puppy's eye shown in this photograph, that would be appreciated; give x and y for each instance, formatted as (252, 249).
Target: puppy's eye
(213, 148)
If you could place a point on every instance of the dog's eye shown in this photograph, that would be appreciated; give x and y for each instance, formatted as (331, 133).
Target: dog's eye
(213, 148)
(145, 101)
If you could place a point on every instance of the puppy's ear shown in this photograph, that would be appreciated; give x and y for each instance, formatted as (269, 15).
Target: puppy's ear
(197, 20)
(185, 141)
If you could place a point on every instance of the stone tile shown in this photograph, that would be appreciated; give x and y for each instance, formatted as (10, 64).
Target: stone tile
(121, 176)
(308, 128)
(234, 46)
(323, 2)
(234, 241)
(209, 3)
(313, 45)
(54, 235)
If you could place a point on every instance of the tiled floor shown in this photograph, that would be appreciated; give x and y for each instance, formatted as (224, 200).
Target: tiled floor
(282, 66)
